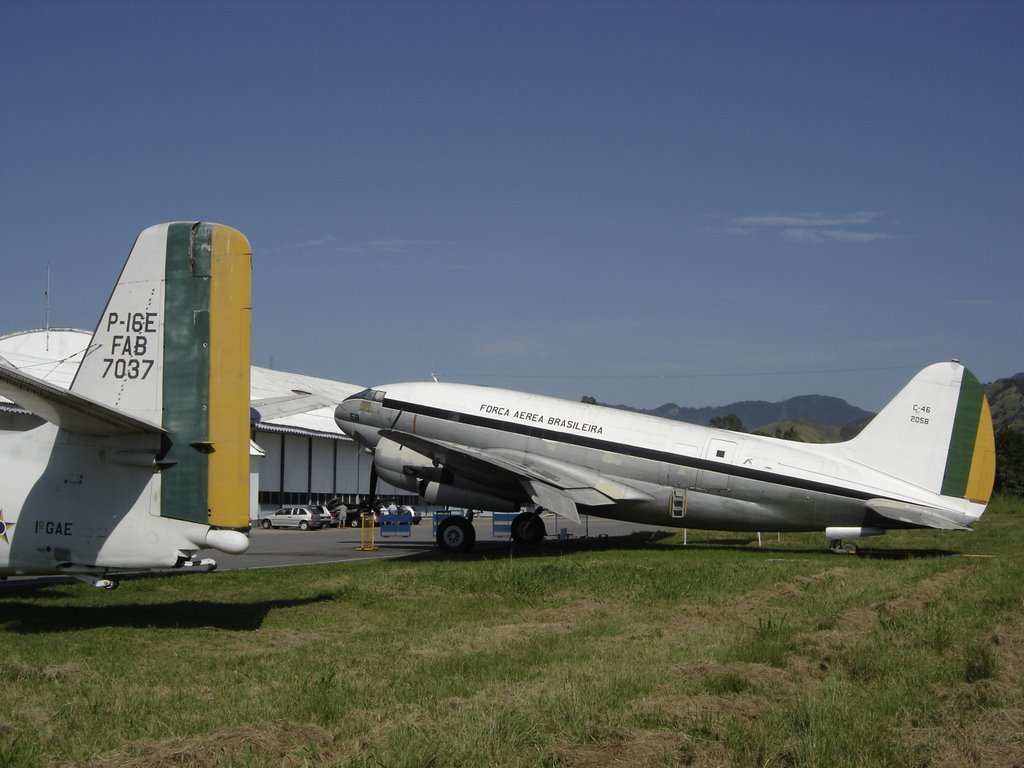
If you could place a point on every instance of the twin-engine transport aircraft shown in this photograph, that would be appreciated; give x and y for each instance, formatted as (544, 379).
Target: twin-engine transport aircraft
(146, 459)
(926, 461)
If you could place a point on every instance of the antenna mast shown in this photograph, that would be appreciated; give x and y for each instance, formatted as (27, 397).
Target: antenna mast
(47, 297)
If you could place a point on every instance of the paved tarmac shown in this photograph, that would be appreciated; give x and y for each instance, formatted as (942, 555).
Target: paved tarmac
(281, 548)
(285, 548)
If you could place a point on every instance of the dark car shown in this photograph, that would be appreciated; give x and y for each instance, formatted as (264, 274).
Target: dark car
(354, 517)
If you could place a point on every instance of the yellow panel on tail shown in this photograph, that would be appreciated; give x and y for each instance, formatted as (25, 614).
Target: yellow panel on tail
(983, 463)
(230, 328)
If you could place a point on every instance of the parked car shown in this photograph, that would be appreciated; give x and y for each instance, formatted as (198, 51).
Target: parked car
(417, 516)
(303, 518)
(329, 518)
(354, 518)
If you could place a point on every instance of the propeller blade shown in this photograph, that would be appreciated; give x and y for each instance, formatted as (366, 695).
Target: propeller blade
(373, 484)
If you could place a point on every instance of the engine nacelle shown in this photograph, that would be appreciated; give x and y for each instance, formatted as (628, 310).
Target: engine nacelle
(398, 465)
(452, 496)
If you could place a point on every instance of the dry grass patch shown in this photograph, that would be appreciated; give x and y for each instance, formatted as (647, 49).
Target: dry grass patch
(278, 743)
(981, 723)
(642, 749)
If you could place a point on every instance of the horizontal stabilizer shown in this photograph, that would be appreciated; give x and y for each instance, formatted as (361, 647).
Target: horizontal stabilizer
(67, 410)
(916, 514)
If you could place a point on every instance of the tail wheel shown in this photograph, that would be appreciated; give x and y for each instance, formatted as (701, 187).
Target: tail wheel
(456, 534)
(528, 529)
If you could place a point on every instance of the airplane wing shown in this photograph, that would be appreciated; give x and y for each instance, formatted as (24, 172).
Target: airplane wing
(67, 410)
(553, 485)
(916, 514)
(287, 405)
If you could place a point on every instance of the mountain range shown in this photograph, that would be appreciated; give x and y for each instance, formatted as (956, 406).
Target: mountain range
(824, 419)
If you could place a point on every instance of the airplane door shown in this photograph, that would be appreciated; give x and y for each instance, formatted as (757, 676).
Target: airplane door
(720, 452)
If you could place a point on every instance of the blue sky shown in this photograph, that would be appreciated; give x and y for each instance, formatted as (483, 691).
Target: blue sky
(642, 202)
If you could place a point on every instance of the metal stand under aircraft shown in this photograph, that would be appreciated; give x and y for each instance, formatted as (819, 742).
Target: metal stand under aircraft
(837, 547)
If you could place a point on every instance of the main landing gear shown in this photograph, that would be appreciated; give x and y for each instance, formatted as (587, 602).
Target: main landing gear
(528, 529)
(456, 534)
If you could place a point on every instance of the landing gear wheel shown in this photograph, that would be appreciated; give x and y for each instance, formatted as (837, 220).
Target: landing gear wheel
(837, 547)
(456, 534)
(528, 529)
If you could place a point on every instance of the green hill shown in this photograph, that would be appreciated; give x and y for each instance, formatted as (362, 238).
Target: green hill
(1006, 398)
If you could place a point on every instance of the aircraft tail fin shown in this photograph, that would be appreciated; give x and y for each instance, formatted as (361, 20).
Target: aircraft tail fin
(172, 350)
(936, 433)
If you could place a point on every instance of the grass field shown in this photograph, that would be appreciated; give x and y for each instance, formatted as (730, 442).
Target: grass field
(638, 652)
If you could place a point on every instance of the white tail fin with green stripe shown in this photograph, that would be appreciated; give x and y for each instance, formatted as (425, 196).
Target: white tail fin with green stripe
(936, 434)
(146, 458)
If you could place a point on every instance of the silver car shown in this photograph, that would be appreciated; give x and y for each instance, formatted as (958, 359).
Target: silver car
(303, 518)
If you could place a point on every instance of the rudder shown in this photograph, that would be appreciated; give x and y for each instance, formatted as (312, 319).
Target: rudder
(172, 349)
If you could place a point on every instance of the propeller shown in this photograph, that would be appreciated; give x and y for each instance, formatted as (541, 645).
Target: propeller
(373, 482)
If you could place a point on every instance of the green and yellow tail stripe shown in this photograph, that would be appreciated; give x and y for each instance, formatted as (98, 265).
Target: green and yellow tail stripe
(971, 461)
(207, 306)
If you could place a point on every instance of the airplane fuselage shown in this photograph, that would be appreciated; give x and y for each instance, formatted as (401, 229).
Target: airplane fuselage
(675, 474)
(69, 499)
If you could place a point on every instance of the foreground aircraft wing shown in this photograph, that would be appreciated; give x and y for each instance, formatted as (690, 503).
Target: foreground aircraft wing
(553, 485)
(66, 409)
(916, 514)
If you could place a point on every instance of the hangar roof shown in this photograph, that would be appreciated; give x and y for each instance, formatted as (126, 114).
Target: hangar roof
(54, 355)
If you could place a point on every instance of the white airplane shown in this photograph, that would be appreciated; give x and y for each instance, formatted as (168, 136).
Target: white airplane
(926, 461)
(145, 460)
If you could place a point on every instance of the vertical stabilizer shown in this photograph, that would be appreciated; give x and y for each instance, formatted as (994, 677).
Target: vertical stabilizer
(936, 433)
(172, 349)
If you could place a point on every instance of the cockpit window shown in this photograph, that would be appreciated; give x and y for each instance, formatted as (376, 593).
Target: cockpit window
(376, 395)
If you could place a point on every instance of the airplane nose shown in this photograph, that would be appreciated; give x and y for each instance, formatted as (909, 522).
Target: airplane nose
(347, 414)
(354, 420)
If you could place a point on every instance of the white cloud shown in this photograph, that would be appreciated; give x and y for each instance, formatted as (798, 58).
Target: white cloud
(810, 227)
(810, 235)
(315, 243)
(389, 246)
(806, 219)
